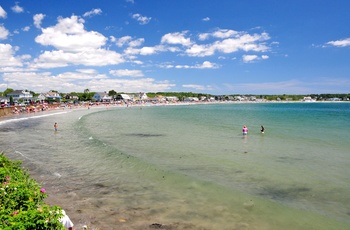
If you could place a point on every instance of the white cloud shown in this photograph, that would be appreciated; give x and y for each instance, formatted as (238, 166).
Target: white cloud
(126, 73)
(75, 46)
(176, 39)
(69, 35)
(80, 80)
(7, 58)
(200, 50)
(225, 33)
(3, 33)
(204, 65)
(123, 40)
(97, 57)
(249, 58)
(220, 33)
(93, 12)
(131, 1)
(80, 75)
(27, 28)
(87, 71)
(39, 81)
(148, 50)
(208, 65)
(3, 13)
(206, 19)
(252, 58)
(241, 41)
(203, 36)
(198, 87)
(112, 38)
(17, 9)
(340, 43)
(136, 42)
(38, 19)
(143, 20)
(128, 40)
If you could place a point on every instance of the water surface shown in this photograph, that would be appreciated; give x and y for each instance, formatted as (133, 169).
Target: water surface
(189, 166)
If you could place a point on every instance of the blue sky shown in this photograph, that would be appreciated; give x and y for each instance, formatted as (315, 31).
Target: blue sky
(202, 46)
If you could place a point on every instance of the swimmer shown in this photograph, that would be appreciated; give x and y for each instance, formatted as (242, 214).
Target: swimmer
(245, 130)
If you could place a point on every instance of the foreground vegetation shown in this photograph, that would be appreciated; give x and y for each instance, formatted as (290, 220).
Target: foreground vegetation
(21, 200)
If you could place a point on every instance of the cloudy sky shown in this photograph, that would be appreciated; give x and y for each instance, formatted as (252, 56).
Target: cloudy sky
(216, 47)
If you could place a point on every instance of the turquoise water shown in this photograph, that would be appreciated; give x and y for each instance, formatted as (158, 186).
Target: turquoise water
(190, 167)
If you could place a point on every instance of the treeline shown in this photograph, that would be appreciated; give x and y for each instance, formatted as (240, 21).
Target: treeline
(87, 95)
(292, 97)
(300, 97)
(179, 95)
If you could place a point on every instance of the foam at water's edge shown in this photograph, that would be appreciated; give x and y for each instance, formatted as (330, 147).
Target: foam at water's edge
(33, 117)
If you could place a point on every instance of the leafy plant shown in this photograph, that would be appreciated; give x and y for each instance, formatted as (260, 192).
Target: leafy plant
(22, 200)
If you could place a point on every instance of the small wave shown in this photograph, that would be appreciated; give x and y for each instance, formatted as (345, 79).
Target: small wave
(18, 152)
(27, 118)
(57, 174)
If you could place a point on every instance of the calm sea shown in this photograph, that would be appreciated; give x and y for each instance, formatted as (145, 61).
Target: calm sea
(189, 166)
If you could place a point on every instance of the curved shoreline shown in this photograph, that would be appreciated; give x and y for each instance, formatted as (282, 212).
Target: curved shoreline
(63, 195)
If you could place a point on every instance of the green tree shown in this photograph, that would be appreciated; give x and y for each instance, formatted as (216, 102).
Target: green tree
(33, 93)
(7, 91)
(112, 93)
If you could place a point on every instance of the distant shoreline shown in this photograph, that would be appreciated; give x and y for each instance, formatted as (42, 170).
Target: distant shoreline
(8, 112)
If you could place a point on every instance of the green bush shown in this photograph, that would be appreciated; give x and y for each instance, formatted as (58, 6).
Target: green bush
(22, 200)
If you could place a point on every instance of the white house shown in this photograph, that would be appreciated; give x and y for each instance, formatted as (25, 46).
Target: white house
(20, 95)
(123, 97)
(172, 99)
(142, 96)
(4, 101)
(102, 97)
(49, 95)
(191, 99)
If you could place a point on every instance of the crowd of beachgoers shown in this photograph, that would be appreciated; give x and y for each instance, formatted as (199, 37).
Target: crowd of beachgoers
(34, 108)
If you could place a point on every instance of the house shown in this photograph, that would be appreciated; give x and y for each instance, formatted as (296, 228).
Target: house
(4, 101)
(139, 97)
(69, 96)
(172, 99)
(52, 95)
(41, 97)
(238, 98)
(123, 97)
(102, 97)
(20, 95)
(333, 99)
(308, 99)
(219, 98)
(158, 99)
(191, 99)
(142, 96)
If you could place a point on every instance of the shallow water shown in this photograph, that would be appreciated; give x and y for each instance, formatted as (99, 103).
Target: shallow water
(189, 167)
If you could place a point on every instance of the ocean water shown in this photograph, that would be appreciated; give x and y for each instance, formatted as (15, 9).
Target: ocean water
(189, 166)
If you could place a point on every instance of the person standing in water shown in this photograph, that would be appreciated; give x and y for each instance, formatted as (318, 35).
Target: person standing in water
(245, 130)
(262, 130)
(55, 126)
